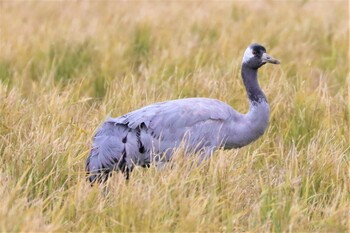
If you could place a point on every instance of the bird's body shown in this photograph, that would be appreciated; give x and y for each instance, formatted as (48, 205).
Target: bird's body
(202, 125)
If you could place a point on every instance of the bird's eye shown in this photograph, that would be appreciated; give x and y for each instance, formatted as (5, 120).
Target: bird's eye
(254, 52)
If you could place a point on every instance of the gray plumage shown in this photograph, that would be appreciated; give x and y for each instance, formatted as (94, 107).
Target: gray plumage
(152, 133)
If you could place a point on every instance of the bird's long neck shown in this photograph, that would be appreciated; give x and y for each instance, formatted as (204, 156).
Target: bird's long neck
(250, 80)
(253, 124)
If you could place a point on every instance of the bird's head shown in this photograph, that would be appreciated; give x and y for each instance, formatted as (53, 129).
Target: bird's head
(255, 56)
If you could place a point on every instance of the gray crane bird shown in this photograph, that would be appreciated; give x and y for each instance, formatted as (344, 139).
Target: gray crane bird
(152, 133)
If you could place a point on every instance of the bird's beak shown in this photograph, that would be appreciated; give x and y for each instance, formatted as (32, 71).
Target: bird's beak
(269, 59)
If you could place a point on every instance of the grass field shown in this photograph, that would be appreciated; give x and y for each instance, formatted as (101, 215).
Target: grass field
(65, 66)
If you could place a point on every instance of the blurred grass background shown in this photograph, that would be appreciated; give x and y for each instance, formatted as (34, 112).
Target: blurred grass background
(66, 65)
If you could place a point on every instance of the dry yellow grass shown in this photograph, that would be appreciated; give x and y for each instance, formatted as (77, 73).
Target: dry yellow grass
(64, 66)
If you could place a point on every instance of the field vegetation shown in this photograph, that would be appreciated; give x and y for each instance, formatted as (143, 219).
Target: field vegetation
(66, 65)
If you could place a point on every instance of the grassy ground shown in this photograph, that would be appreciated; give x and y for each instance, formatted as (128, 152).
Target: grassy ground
(64, 66)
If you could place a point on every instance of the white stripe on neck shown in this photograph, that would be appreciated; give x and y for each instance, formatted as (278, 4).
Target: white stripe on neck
(248, 54)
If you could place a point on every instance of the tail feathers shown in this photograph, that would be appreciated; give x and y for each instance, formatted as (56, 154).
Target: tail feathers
(107, 153)
(102, 161)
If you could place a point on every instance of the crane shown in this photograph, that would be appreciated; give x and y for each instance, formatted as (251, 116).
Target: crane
(152, 133)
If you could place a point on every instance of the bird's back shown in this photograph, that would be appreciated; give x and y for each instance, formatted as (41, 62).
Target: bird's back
(165, 125)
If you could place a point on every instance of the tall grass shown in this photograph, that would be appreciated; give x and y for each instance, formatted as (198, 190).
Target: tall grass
(65, 66)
